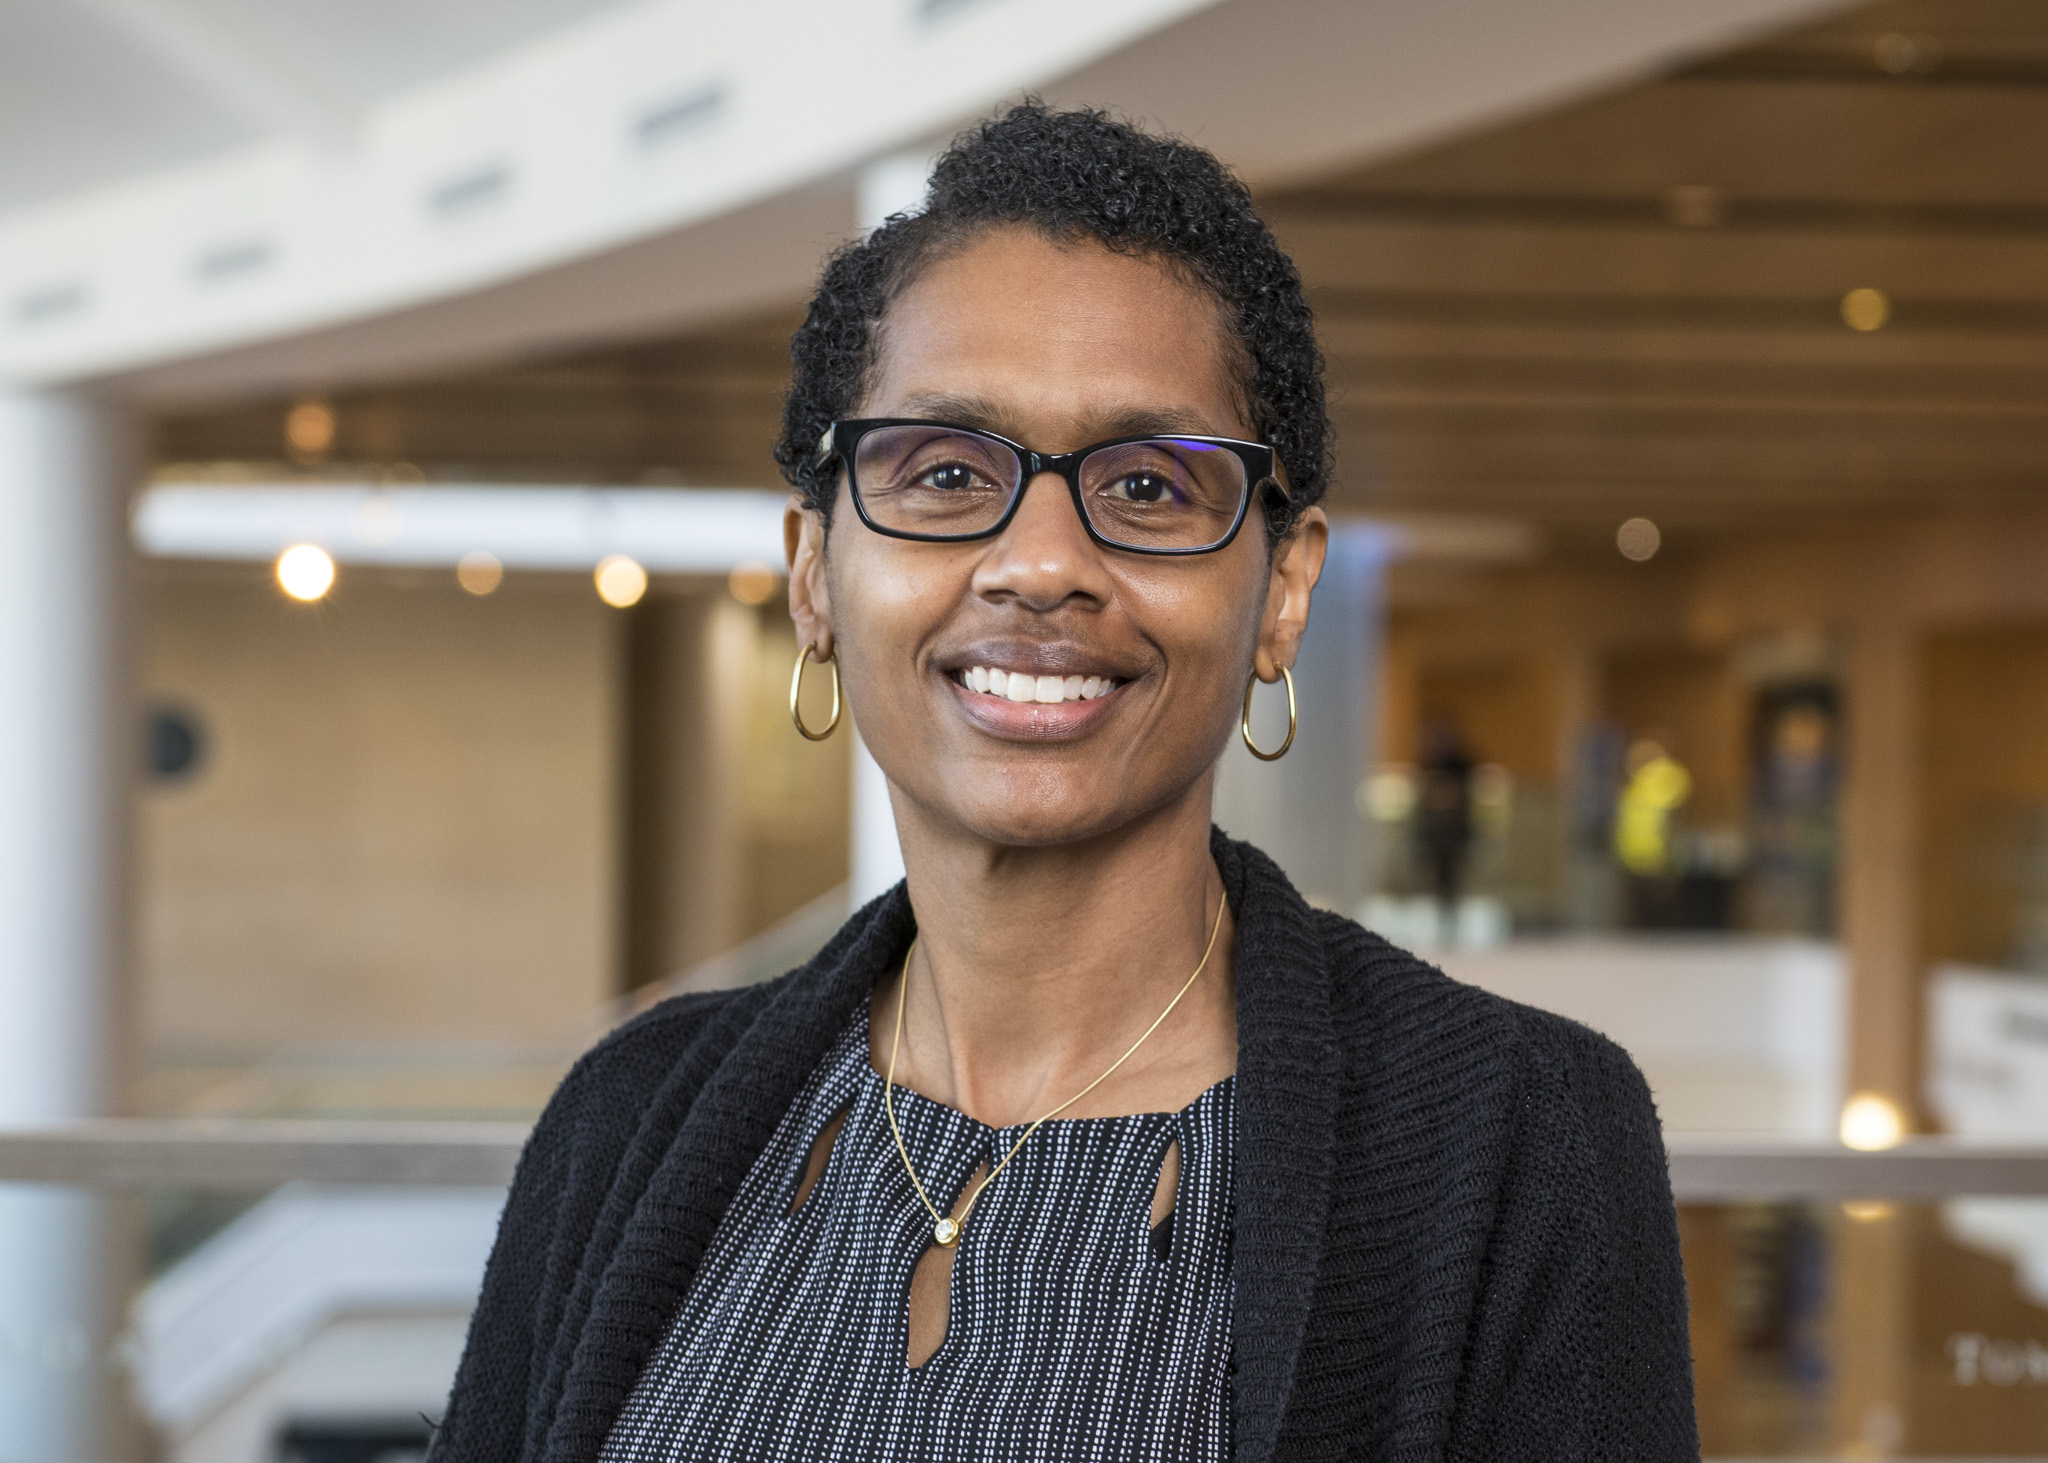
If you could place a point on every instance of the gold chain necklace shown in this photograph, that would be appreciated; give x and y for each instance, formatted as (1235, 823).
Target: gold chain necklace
(945, 1228)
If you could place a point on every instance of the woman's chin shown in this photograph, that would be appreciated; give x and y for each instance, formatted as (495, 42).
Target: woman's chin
(1046, 818)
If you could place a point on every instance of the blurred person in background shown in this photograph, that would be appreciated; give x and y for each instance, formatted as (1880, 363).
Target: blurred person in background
(1091, 1138)
(1794, 786)
(1657, 787)
(1443, 817)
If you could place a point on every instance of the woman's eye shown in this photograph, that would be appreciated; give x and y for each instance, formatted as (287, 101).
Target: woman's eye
(1142, 487)
(950, 478)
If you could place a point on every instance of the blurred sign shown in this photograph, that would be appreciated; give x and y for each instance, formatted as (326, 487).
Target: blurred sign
(1988, 1051)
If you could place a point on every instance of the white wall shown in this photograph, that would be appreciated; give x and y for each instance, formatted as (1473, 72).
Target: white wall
(319, 1303)
(1735, 1035)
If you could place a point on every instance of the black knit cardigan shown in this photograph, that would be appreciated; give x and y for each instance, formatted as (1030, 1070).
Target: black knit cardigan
(1454, 1234)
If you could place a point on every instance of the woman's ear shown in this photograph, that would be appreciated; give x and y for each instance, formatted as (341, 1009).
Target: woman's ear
(1297, 565)
(810, 600)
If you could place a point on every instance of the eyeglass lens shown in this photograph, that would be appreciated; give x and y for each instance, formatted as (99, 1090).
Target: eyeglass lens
(1160, 493)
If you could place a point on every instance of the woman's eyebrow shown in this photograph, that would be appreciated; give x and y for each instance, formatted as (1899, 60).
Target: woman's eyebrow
(1162, 421)
(980, 412)
(965, 411)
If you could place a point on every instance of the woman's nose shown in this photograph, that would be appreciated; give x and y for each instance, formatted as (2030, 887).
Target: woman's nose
(1044, 555)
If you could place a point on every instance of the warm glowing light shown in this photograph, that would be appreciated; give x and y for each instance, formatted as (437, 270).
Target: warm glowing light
(305, 572)
(1638, 539)
(1870, 1122)
(309, 429)
(1866, 309)
(620, 581)
(479, 572)
(1867, 1211)
(1388, 795)
(752, 583)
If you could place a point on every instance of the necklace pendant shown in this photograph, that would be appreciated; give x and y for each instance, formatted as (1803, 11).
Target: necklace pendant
(946, 1231)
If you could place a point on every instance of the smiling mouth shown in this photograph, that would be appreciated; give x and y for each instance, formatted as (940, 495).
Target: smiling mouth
(1021, 686)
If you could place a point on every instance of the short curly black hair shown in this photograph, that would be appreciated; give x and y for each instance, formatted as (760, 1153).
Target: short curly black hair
(1075, 175)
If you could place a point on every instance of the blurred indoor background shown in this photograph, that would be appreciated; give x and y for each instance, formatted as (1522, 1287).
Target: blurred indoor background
(395, 657)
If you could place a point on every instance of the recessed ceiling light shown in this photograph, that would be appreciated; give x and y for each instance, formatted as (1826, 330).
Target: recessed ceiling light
(305, 572)
(620, 581)
(1638, 539)
(1866, 309)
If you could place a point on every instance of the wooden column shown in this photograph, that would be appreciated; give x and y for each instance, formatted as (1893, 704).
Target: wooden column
(689, 659)
(1880, 932)
(1703, 1237)
(1880, 875)
(1870, 1325)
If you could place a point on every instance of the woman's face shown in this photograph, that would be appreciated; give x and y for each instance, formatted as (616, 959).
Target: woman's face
(1057, 347)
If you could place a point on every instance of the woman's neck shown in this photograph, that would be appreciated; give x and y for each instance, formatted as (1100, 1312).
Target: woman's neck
(1036, 968)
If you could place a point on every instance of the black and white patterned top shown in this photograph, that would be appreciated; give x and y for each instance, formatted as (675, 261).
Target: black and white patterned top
(1076, 1331)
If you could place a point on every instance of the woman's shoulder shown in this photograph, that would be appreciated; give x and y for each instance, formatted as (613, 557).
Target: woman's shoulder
(618, 1076)
(671, 1025)
(1398, 1008)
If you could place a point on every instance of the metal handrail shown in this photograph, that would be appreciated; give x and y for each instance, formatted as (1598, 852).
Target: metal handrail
(1710, 1169)
(254, 1154)
(258, 1153)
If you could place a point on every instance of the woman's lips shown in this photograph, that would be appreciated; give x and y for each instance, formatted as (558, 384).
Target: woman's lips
(1071, 704)
(1027, 686)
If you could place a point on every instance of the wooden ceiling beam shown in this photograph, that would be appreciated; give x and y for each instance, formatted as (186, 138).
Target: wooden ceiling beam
(1989, 314)
(1830, 347)
(1410, 401)
(1853, 65)
(1649, 264)
(1690, 212)
(1544, 506)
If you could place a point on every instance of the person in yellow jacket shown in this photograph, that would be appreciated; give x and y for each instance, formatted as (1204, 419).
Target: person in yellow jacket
(1657, 787)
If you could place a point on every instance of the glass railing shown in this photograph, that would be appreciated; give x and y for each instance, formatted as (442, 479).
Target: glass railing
(239, 1290)
(1890, 1304)
(297, 1289)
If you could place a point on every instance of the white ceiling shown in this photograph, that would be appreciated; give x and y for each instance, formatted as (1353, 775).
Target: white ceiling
(389, 186)
(95, 91)
(367, 49)
(82, 105)
(635, 121)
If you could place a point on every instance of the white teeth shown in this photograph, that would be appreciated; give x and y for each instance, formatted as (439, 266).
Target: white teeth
(1045, 690)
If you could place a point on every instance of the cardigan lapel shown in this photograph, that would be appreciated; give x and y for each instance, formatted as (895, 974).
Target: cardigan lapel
(727, 1127)
(1286, 1106)
(1286, 1103)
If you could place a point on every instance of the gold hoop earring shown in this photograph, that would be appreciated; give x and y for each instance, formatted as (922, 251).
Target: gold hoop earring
(796, 685)
(1244, 722)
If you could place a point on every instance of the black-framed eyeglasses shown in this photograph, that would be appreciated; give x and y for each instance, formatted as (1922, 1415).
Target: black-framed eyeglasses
(940, 483)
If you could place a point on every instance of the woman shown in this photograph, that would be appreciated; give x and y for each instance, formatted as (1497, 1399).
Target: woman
(1057, 443)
